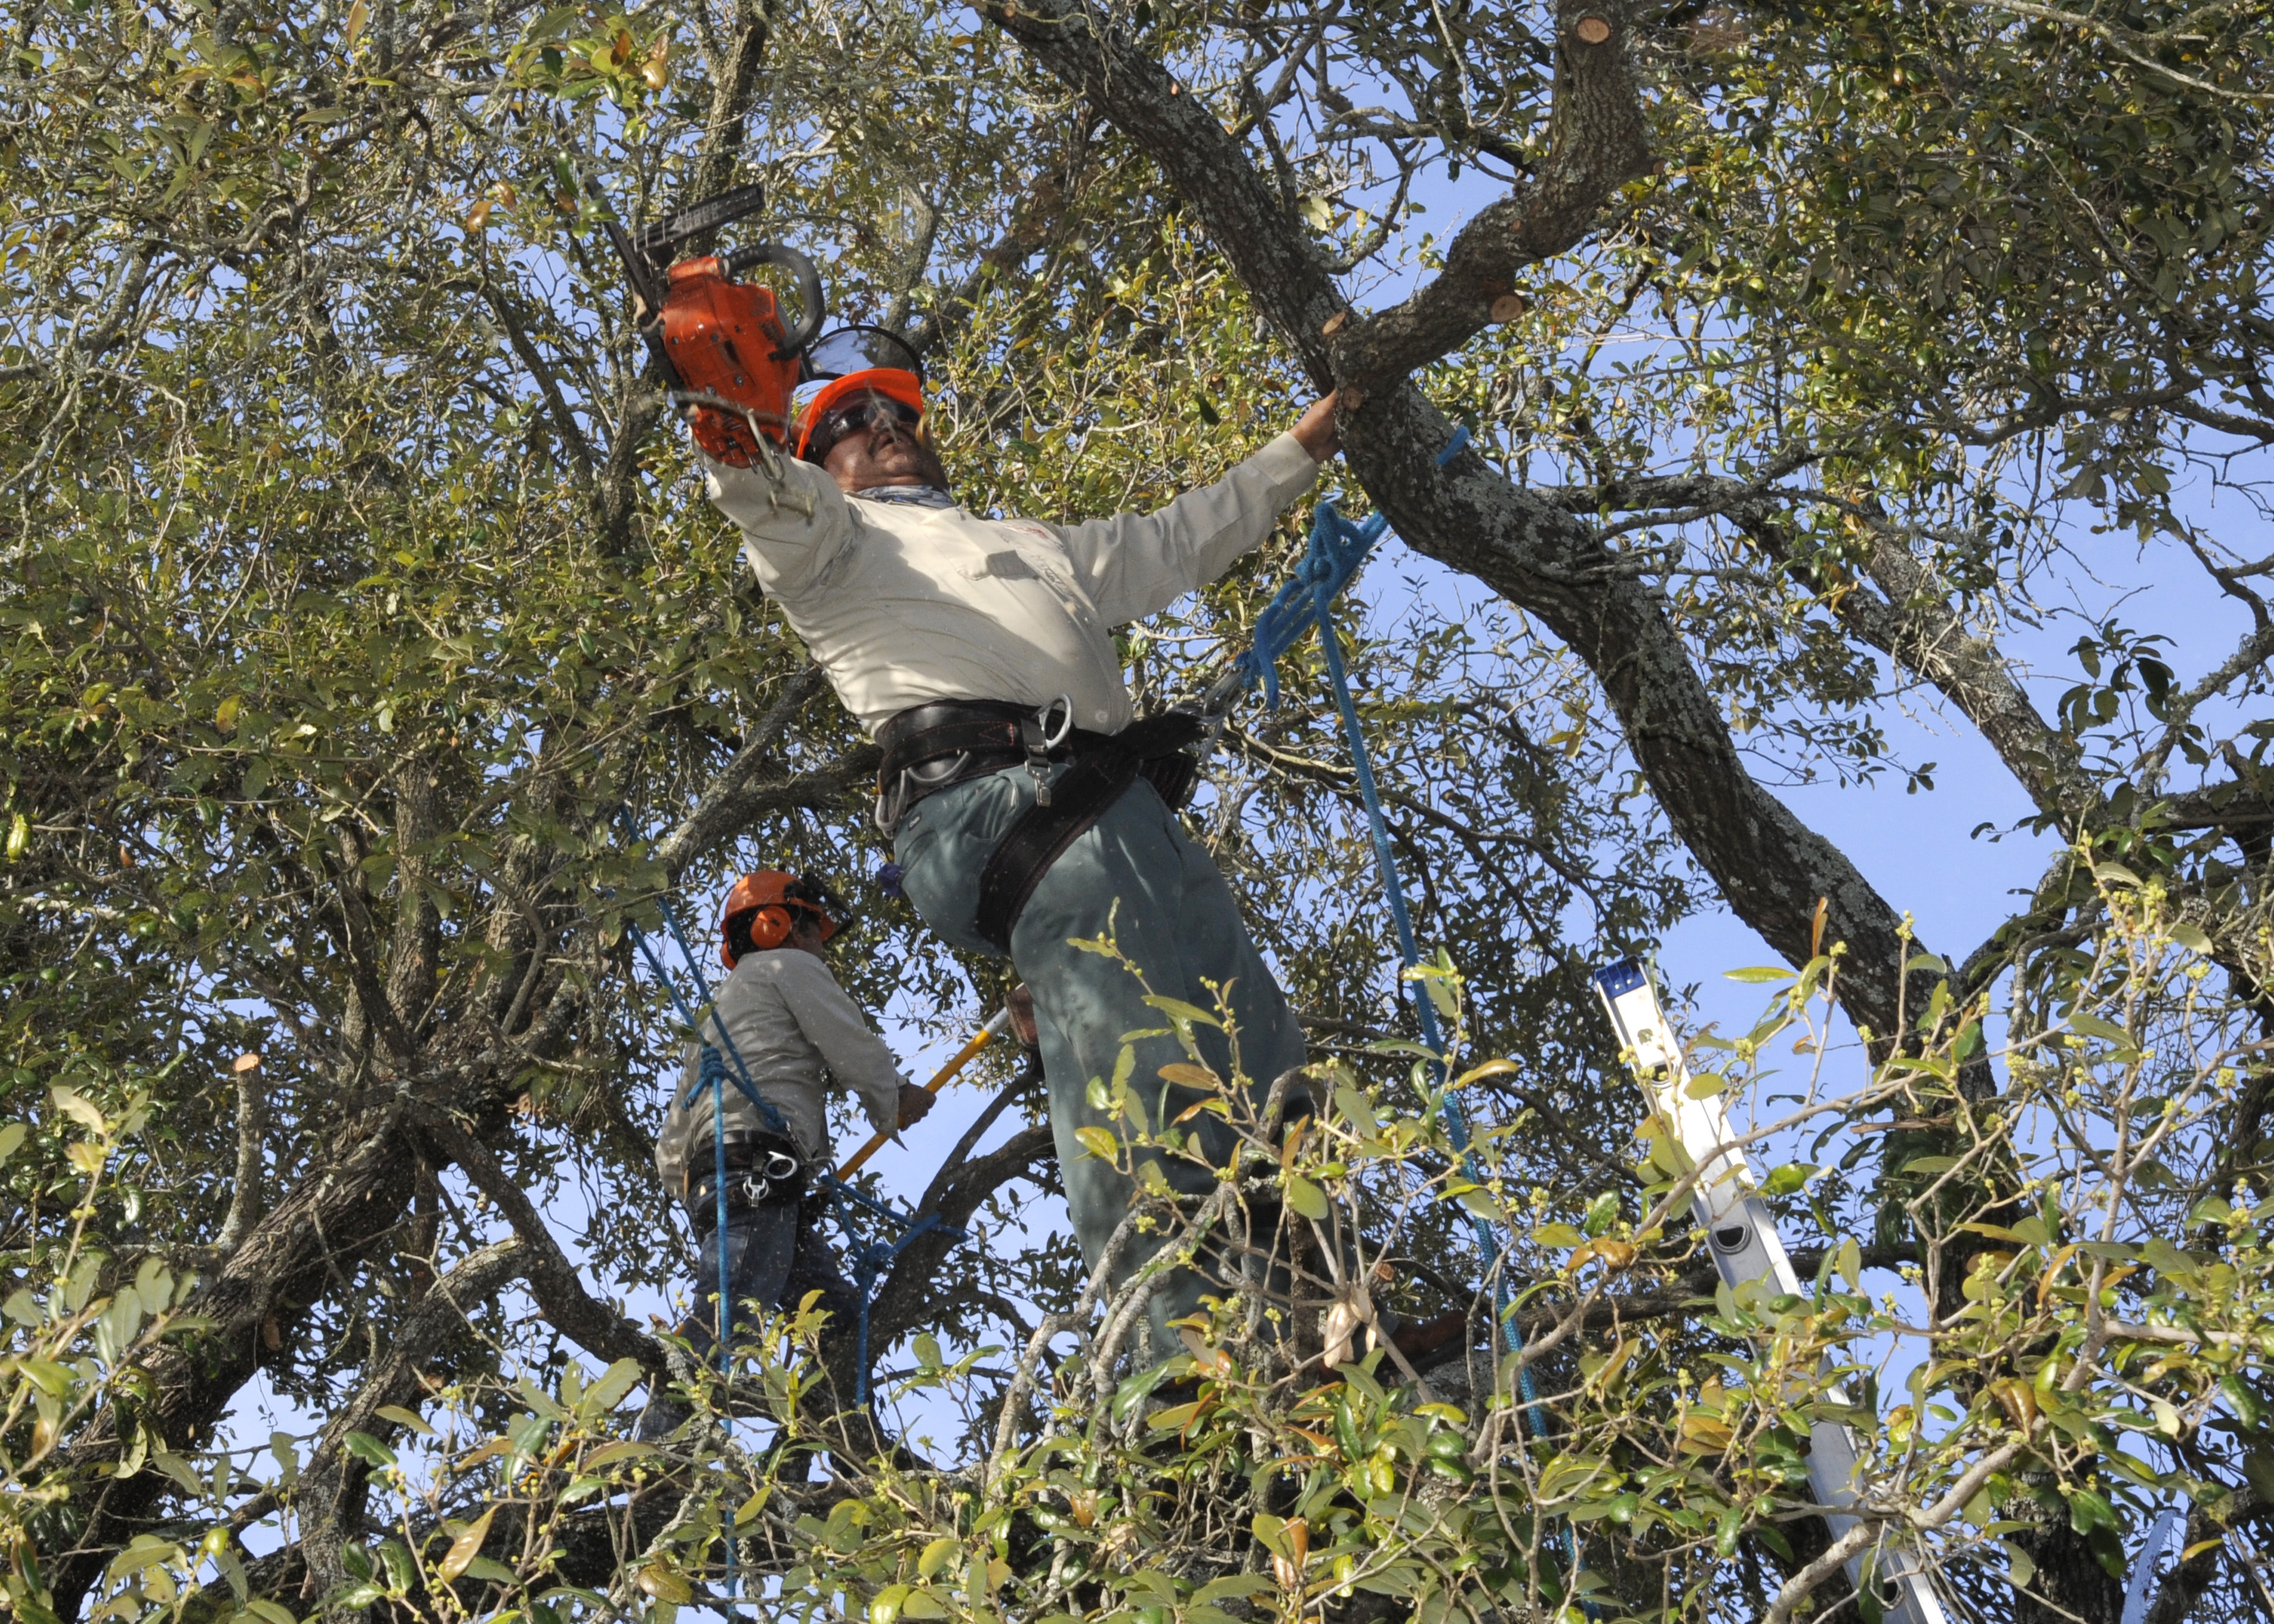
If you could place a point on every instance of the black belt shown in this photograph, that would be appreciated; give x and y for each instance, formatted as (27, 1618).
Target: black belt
(931, 748)
(980, 726)
(761, 1169)
(962, 740)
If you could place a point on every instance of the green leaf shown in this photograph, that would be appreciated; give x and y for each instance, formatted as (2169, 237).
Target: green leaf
(2088, 1511)
(1562, 1237)
(408, 1418)
(2190, 936)
(1176, 1009)
(616, 1381)
(78, 1108)
(1356, 1109)
(1401, 1046)
(1096, 1141)
(466, 1547)
(369, 1450)
(1790, 1176)
(12, 1139)
(1241, 1585)
(1761, 972)
(2089, 1025)
(1490, 1068)
(1306, 1199)
(2258, 1472)
(1479, 1203)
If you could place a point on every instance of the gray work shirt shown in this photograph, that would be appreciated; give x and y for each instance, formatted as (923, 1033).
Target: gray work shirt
(903, 603)
(802, 1039)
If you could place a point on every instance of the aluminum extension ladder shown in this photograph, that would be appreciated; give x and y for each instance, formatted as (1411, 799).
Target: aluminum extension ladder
(1743, 1237)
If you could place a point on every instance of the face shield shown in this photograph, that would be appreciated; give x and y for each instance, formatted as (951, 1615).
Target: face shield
(853, 377)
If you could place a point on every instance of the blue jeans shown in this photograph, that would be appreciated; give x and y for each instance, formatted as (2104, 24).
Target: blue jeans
(1137, 877)
(774, 1256)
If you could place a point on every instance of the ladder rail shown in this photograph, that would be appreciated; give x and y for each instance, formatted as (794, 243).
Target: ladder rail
(1742, 1235)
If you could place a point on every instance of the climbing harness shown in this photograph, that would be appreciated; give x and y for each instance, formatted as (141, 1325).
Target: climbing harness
(1338, 548)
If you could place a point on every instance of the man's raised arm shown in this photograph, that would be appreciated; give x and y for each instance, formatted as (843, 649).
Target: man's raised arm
(792, 525)
(1138, 564)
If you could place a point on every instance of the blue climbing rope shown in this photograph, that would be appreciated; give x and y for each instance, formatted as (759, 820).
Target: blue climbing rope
(1338, 548)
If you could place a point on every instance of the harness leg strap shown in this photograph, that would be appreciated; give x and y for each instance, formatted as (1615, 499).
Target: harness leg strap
(1084, 793)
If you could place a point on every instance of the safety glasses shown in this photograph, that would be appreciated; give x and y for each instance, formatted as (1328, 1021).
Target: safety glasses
(858, 417)
(808, 890)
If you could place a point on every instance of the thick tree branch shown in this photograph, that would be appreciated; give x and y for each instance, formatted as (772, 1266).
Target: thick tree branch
(414, 944)
(245, 1196)
(347, 1204)
(1597, 144)
(329, 1496)
(1771, 867)
(553, 1280)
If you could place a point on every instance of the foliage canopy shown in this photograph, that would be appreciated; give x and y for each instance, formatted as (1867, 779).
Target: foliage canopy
(372, 664)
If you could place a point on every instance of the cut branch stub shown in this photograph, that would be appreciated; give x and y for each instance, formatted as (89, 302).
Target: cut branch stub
(1506, 308)
(1597, 143)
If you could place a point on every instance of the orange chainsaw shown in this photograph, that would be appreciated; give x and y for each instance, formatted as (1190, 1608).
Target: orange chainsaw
(720, 344)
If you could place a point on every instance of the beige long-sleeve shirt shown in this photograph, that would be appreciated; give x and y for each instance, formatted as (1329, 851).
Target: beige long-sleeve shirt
(803, 1039)
(903, 605)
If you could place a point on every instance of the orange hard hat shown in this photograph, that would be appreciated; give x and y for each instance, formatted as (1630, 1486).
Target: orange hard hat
(902, 388)
(850, 365)
(766, 897)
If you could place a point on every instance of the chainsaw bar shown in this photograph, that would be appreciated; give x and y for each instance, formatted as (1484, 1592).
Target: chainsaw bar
(658, 239)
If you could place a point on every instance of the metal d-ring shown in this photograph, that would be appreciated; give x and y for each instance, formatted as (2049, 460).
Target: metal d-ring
(1051, 741)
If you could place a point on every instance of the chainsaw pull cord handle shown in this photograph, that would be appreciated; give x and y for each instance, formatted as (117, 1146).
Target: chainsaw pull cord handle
(811, 310)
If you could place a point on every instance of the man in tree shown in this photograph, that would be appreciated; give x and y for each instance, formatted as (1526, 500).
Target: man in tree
(1020, 794)
(780, 1016)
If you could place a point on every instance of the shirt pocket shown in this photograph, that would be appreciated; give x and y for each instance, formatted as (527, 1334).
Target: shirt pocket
(1015, 564)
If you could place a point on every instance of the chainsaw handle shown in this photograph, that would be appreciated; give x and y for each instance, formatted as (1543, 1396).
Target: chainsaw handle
(811, 312)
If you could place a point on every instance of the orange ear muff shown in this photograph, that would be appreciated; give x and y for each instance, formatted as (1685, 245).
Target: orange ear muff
(769, 927)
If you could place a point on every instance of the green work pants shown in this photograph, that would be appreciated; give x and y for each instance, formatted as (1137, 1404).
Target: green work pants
(1137, 877)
